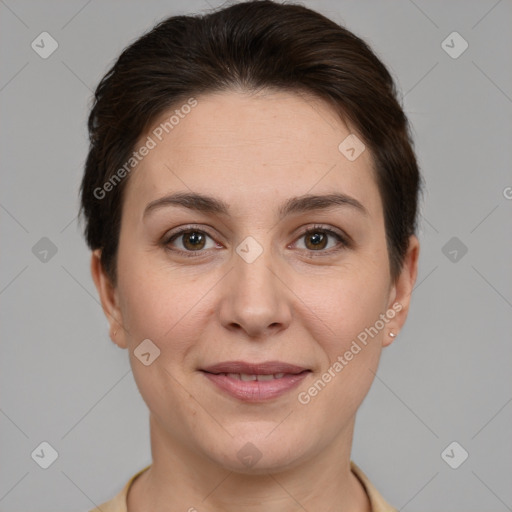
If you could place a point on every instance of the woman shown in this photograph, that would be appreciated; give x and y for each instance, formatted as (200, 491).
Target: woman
(250, 198)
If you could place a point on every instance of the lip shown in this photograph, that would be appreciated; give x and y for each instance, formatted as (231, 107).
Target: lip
(263, 368)
(255, 391)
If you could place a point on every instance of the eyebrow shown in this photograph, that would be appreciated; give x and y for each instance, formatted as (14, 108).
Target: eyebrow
(213, 205)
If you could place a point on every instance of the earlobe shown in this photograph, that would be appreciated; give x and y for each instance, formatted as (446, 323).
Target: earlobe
(109, 300)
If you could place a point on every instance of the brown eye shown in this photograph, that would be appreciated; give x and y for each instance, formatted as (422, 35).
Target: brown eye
(193, 240)
(189, 241)
(316, 240)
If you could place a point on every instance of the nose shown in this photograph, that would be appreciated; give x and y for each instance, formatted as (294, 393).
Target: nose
(255, 298)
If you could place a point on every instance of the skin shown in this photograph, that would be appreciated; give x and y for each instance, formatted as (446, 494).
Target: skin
(253, 151)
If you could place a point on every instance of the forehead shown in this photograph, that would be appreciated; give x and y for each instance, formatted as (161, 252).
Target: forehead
(251, 147)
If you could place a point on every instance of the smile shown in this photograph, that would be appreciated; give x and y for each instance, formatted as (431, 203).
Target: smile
(255, 387)
(251, 377)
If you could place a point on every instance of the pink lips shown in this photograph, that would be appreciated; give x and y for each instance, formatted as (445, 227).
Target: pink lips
(266, 367)
(255, 382)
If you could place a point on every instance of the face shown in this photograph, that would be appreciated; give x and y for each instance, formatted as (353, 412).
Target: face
(263, 273)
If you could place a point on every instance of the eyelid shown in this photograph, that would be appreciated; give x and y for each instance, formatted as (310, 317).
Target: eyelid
(328, 229)
(168, 237)
(345, 241)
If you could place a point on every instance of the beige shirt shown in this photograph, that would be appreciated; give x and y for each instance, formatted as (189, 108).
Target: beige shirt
(378, 504)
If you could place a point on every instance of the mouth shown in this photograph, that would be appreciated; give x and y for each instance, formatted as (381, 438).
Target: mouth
(255, 382)
(263, 368)
(248, 377)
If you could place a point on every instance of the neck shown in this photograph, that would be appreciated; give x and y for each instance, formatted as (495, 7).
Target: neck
(182, 480)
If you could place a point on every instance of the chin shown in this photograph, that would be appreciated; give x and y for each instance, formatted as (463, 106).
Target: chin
(259, 453)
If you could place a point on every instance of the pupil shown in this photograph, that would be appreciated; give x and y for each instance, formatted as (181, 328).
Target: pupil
(317, 240)
(194, 238)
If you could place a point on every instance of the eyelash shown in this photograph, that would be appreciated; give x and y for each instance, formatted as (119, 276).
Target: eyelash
(344, 241)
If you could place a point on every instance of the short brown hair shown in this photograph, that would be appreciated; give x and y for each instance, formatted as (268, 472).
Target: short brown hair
(250, 45)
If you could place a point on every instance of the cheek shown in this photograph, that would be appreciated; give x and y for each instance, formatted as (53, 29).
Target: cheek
(168, 307)
(163, 311)
(346, 305)
(154, 298)
(348, 320)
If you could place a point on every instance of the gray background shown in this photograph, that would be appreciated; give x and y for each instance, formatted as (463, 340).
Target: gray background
(446, 378)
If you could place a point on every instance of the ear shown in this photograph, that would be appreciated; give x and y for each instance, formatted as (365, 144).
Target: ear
(109, 300)
(401, 290)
